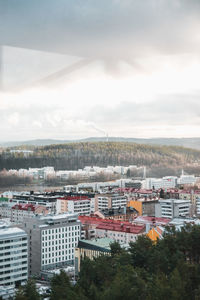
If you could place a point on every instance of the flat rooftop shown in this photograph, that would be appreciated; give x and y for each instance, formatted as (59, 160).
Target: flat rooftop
(11, 232)
(176, 201)
(100, 242)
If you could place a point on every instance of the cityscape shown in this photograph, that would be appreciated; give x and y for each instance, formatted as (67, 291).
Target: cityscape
(53, 230)
(99, 150)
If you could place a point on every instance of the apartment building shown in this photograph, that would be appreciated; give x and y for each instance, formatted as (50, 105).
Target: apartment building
(120, 231)
(74, 204)
(169, 182)
(21, 211)
(172, 208)
(144, 206)
(123, 214)
(52, 240)
(13, 256)
(43, 199)
(109, 201)
(187, 179)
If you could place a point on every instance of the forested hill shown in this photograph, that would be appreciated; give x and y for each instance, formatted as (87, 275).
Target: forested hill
(73, 156)
(183, 142)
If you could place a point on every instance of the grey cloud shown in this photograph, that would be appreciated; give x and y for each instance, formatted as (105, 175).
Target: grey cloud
(169, 110)
(100, 29)
(43, 121)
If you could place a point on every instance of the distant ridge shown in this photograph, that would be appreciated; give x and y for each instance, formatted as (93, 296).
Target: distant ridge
(185, 142)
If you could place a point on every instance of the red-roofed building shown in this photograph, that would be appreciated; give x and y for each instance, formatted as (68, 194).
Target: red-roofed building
(21, 211)
(123, 232)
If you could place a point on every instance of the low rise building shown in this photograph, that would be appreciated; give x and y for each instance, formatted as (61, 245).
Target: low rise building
(7, 292)
(121, 232)
(21, 211)
(91, 248)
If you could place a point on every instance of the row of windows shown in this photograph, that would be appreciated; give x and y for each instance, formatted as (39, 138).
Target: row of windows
(13, 277)
(63, 229)
(59, 253)
(50, 249)
(14, 252)
(59, 242)
(59, 236)
(13, 271)
(12, 265)
(13, 246)
(13, 240)
(118, 235)
(13, 258)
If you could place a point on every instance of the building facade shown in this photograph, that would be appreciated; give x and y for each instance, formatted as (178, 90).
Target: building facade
(109, 201)
(52, 240)
(13, 256)
(74, 204)
(173, 208)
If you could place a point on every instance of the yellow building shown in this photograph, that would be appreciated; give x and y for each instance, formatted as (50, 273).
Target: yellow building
(155, 233)
(145, 207)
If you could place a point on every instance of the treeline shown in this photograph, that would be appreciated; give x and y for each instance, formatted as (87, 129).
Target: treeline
(168, 269)
(74, 156)
(73, 180)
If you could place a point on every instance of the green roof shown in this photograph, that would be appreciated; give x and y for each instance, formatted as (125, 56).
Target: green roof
(100, 243)
(3, 199)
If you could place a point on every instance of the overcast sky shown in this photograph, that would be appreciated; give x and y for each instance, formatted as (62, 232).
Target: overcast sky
(75, 69)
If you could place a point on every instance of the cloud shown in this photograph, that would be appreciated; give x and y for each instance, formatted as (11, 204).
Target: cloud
(136, 67)
(102, 29)
(166, 109)
(175, 114)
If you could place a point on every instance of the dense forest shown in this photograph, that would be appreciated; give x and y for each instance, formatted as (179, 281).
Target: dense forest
(73, 156)
(167, 269)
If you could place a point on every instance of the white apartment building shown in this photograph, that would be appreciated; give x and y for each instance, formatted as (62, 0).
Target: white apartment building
(166, 182)
(13, 256)
(169, 182)
(52, 240)
(151, 183)
(110, 200)
(172, 208)
(121, 233)
(187, 179)
(81, 207)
